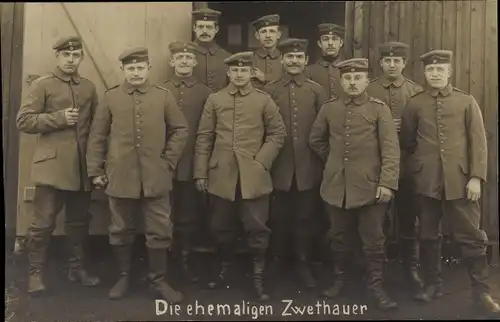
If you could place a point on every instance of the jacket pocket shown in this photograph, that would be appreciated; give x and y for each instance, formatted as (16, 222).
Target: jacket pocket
(464, 168)
(212, 164)
(45, 154)
(416, 167)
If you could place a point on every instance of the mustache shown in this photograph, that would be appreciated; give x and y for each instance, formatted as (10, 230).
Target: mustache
(205, 35)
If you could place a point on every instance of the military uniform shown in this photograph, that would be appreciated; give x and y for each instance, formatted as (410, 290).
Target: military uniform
(59, 171)
(268, 61)
(297, 171)
(324, 71)
(210, 69)
(395, 94)
(358, 140)
(190, 95)
(136, 140)
(443, 131)
(240, 135)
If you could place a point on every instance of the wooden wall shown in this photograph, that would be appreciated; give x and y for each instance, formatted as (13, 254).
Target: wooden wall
(469, 29)
(12, 17)
(107, 30)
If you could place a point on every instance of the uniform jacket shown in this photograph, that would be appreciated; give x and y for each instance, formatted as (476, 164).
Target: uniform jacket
(444, 133)
(190, 95)
(137, 139)
(240, 135)
(324, 73)
(359, 142)
(299, 100)
(211, 69)
(59, 158)
(269, 63)
(395, 95)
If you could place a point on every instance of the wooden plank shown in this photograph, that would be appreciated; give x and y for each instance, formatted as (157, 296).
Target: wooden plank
(449, 29)
(405, 27)
(462, 48)
(360, 27)
(394, 23)
(419, 42)
(490, 204)
(7, 24)
(349, 29)
(435, 22)
(477, 51)
(159, 58)
(387, 20)
(376, 35)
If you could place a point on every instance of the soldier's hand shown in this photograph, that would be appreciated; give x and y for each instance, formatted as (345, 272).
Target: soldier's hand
(383, 194)
(397, 122)
(100, 181)
(201, 185)
(71, 115)
(257, 73)
(474, 189)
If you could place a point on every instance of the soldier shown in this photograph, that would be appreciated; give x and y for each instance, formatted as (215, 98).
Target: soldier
(324, 71)
(297, 170)
(190, 95)
(442, 130)
(240, 135)
(395, 90)
(135, 143)
(210, 69)
(59, 108)
(267, 59)
(358, 140)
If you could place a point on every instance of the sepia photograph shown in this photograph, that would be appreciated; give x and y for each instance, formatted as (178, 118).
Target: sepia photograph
(250, 160)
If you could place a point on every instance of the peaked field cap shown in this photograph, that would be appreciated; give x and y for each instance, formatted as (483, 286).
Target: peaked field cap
(266, 21)
(293, 45)
(206, 14)
(353, 65)
(240, 59)
(182, 47)
(134, 55)
(394, 48)
(331, 29)
(437, 57)
(68, 43)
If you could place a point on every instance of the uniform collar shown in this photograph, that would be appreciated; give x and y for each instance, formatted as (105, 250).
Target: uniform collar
(75, 78)
(243, 91)
(130, 89)
(188, 81)
(298, 79)
(210, 47)
(325, 63)
(358, 100)
(397, 83)
(444, 91)
(263, 52)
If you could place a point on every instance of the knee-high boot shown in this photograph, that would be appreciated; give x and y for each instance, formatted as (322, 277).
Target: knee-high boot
(157, 276)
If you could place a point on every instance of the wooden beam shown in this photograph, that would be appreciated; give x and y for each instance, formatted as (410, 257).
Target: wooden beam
(359, 7)
(349, 29)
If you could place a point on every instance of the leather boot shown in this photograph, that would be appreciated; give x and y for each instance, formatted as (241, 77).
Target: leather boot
(430, 256)
(259, 264)
(37, 253)
(340, 276)
(303, 266)
(158, 269)
(77, 272)
(375, 279)
(123, 255)
(410, 265)
(225, 256)
(188, 267)
(477, 267)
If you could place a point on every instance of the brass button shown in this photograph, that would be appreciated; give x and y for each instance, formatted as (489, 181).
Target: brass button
(346, 159)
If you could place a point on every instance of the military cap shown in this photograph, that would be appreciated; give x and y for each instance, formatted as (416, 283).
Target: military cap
(353, 65)
(134, 55)
(206, 14)
(240, 59)
(182, 47)
(331, 29)
(394, 48)
(68, 43)
(437, 57)
(293, 45)
(266, 21)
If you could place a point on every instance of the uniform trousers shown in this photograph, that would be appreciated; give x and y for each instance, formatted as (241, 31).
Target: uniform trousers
(252, 213)
(156, 214)
(406, 210)
(187, 210)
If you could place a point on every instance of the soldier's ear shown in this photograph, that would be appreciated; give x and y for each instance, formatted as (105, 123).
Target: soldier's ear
(172, 63)
(279, 34)
(341, 43)
(256, 35)
(149, 65)
(307, 59)
(56, 53)
(195, 62)
(450, 70)
(319, 43)
(216, 28)
(121, 67)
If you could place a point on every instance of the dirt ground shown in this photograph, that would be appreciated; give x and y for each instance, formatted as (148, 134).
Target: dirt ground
(70, 302)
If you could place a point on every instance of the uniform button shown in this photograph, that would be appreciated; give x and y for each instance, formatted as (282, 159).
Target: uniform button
(348, 135)
(439, 102)
(348, 127)
(293, 101)
(138, 138)
(181, 93)
(137, 145)
(442, 150)
(393, 93)
(442, 142)
(293, 93)
(138, 116)
(347, 143)
(137, 102)
(348, 120)
(349, 112)
(346, 159)
(441, 125)
(346, 152)
(138, 130)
